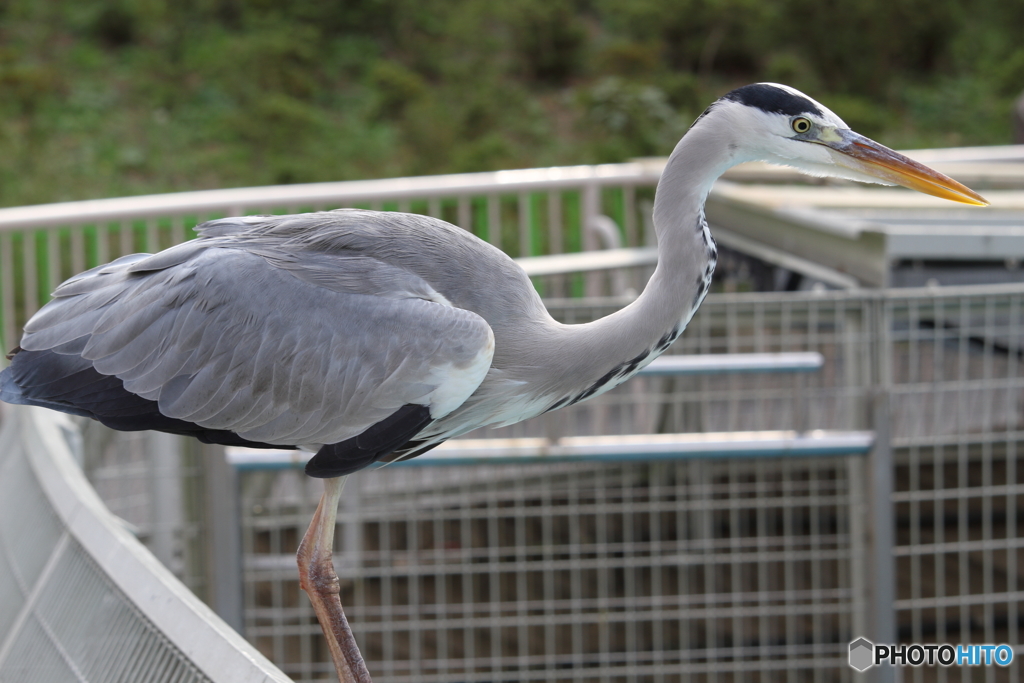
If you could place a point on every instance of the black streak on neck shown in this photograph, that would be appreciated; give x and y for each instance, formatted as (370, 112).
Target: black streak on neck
(620, 371)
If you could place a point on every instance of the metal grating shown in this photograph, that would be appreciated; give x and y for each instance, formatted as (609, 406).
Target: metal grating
(82, 628)
(60, 618)
(958, 412)
(451, 575)
(946, 362)
(578, 572)
(29, 530)
(80, 599)
(155, 483)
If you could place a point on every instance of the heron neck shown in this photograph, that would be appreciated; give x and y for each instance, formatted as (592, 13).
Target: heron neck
(686, 251)
(611, 349)
(697, 161)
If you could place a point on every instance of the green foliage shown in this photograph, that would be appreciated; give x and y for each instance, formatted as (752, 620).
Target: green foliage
(623, 119)
(114, 97)
(548, 38)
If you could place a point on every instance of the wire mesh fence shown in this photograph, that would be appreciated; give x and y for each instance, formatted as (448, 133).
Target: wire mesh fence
(642, 571)
(953, 366)
(80, 599)
(582, 572)
(695, 570)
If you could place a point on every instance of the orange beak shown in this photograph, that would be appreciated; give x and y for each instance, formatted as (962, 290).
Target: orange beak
(866, 156)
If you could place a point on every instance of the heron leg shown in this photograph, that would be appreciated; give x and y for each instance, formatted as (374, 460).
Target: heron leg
(318, 578)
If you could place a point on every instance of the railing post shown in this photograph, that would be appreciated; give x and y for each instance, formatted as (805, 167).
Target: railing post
(351, 522)
(591, 196)
(8, 325)
(223, 536)
(883, 522)
(860, 545)
(164, 452)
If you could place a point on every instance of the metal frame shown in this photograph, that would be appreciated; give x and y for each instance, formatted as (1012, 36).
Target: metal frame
(595, 576)
(949, 361)
(94, 603)
(934, 372)
(493, 461)
(632, 447)
(40, 246)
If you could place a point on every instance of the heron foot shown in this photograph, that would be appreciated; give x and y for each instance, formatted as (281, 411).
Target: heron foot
(320, 581)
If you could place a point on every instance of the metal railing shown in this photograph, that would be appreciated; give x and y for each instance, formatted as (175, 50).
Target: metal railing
(691, 569)
(80, 598)
(633, 446)
(526, 212)
(936, 373)
(607, 545)
(648, 571)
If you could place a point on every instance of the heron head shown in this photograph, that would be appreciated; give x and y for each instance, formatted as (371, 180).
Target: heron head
(781, 125)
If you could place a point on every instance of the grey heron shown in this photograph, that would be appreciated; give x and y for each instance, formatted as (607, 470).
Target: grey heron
(366, 337)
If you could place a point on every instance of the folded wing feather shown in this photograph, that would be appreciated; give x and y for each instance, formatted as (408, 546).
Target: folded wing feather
(278, 347)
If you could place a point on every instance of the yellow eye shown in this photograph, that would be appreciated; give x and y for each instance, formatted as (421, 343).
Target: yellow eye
(801, 125)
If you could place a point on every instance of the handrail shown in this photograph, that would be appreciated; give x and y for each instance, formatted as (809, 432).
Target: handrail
(336, 193)
(584, 261)
(189, 636)
(609, 448)
(726, 363)
(640, 171)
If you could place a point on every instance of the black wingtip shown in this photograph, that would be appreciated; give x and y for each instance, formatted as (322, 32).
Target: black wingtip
(69, 384)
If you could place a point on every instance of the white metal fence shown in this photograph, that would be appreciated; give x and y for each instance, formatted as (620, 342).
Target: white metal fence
(80, 598)
(575, 572)
(527, 213)
(696, 570)
(690, 569)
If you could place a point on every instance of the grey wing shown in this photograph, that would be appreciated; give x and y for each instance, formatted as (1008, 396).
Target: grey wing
(298, 349)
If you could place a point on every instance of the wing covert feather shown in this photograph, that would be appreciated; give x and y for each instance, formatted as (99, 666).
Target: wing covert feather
(256, 344)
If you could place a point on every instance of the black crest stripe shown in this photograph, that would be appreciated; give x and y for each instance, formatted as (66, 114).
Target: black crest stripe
(773, 100)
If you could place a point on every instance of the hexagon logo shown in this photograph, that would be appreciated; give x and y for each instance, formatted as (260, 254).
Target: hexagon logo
(862, 653)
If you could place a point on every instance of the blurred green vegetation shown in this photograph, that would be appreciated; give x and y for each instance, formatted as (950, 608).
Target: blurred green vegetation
(117, 97)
